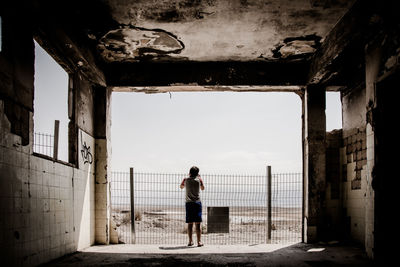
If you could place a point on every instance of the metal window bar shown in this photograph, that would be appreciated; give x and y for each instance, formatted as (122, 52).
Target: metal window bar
(47, 144)
(159, 210)
(43, 144)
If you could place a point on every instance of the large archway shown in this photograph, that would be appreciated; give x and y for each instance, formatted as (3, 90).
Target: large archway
(243, 191)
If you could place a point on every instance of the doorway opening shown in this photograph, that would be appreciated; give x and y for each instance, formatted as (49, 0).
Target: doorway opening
(233, 136)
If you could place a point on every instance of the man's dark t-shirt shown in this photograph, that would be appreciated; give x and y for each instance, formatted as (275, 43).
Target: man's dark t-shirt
(192, 185)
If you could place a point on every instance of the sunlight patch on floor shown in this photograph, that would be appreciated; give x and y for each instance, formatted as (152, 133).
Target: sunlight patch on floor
(182, 249)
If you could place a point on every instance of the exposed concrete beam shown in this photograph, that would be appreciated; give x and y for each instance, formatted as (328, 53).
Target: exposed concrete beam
(67, 53)
(343, 48)
(216, 88)
(65, 29)
(206, 73)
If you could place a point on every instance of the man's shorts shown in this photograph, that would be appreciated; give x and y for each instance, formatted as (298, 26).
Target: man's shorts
(193, 212)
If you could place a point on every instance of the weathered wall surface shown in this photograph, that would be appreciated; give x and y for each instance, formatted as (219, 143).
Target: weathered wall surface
(334, 226)
(103, 167)
(358, 154)
(81, 113)
(47, 208)
(84, 192)
(84, 104)
(16, 74)
(367, 189)
(372, 60)
(382, 60)
(353, 162)
(314, 160)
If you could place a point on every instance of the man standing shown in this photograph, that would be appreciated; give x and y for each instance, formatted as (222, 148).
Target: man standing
(193, 184)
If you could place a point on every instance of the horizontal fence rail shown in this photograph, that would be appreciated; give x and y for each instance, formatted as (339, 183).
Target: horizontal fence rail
(237, 206)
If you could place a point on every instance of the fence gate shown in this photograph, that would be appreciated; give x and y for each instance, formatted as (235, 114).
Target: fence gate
(236, 208)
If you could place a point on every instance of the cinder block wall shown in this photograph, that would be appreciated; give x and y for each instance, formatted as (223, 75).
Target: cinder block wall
(354, 163)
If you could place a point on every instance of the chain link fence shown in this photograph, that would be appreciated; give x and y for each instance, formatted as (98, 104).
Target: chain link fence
(237, 205)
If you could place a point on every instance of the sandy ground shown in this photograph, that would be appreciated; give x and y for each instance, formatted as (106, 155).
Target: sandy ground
(247, 225)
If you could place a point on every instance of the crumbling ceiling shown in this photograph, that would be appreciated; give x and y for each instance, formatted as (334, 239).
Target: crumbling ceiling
(127, 37)
(217, 30)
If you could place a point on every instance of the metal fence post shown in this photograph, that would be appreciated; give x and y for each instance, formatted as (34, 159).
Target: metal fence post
(269, 223)
(133, 234)
(56, 131)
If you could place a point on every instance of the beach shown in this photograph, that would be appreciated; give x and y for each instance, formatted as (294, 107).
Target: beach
(247, 225)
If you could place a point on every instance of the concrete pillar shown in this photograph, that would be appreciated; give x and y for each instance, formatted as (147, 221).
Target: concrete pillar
(314, 134)
(372, 64)
(102, 160)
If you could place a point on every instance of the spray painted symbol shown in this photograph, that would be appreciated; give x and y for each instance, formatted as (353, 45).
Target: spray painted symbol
(86, 155)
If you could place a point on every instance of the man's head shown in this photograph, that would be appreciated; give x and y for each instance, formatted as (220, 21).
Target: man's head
(194, 171)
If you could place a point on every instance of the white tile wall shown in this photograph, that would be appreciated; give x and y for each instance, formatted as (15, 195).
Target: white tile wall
(354, 200)
(39, 207)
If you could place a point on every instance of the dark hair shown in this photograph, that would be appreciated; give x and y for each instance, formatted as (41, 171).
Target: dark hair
(194, 171)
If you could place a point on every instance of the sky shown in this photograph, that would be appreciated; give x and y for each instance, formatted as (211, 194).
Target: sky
(51, 99)
(220, 132)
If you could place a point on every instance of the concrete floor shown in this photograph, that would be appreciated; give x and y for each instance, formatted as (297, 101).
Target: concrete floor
(254, 255)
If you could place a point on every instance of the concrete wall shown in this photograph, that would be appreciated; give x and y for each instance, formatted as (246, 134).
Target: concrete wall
(359, 142)
(47, 207)
(372, 62)
(102, 125)
(382, 62)
(314, 164)
(367, 188)
(353, 163)
(334, 206)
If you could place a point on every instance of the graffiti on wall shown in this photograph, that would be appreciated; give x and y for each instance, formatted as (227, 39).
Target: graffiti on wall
(86, 149)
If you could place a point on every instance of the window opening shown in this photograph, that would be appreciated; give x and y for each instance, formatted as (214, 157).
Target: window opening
(333, 111)
(50, 107)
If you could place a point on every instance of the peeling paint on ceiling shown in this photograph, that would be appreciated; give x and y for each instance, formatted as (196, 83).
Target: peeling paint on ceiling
(297, 47)
(217, 30)
(134, 43)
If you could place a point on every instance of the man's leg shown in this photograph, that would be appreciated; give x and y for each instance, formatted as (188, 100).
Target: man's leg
(198, 234)
(190, 232)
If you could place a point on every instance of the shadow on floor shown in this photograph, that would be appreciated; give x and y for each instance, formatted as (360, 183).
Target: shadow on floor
(176, 248)
(294, 255)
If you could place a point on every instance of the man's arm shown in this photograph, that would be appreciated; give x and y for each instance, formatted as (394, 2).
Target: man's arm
(182, 184)
(201, 184)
